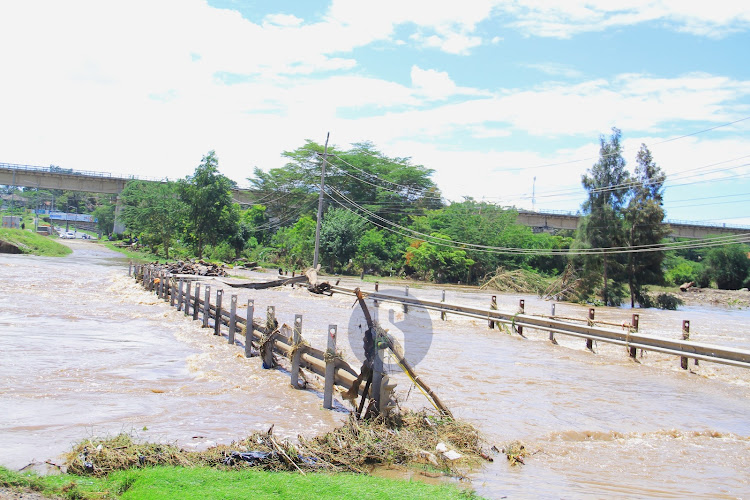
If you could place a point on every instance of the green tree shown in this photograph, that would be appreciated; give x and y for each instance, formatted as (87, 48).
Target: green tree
(105, 217)
(728, 266)
(154, 211)
(295, 245)
(340, 233)
(644, 218)
(607, 183)
(211, 214)
(438, 262)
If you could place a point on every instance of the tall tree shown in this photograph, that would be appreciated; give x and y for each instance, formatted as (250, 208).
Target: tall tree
(644, 218)
(607, 183)
(211, 214)
(154, 211)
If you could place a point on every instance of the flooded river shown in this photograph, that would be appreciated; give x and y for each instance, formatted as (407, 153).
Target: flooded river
(85, 351)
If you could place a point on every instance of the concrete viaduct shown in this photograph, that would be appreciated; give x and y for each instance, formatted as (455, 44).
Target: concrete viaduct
(81, 180)
(98, 182)
(553, 222)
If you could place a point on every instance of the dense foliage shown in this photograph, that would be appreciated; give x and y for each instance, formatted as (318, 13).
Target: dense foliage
(386, 216)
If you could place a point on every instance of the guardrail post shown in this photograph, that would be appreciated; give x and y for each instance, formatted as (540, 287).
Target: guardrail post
(217, 322)
(180, 289)
(130, 268)
(187, 298)
(493, 307)
(685, 336)
(442, 313)
(232, 318)
(270, 322)
(521, 307)
(590, 342)
(173, 291)
(197, 303)
(551, 333)
(206, 305)
(330, 358)
(298, 349)
(406, 294)
(249, 328)
(375, 301)
(634, 325)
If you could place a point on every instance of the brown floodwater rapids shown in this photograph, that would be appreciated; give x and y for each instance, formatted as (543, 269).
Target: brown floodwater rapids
(85, 351)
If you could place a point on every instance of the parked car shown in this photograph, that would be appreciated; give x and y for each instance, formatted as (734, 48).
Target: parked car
(70, 235)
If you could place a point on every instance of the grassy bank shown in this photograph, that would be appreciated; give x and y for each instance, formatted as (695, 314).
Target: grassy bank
(31, 243)
(207, 483)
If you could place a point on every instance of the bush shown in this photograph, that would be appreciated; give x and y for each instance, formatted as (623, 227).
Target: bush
(729, 266)
(668, 301)
(222, 252)
(683, 272)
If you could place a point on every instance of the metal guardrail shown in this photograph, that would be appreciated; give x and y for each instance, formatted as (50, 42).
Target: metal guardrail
(682, 348)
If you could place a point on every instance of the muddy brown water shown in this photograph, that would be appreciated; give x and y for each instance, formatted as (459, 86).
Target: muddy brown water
(85, 352)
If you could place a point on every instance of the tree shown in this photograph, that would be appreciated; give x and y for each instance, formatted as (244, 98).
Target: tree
(644, 218)
(105, 217)
(438, 262)
(211, 214)
(607, 183)
(296, 244)
(154, 211)
(729, 266)
(340, 233)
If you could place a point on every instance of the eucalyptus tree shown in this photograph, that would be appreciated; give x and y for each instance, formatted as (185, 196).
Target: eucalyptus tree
(602, 227)
(644, 218)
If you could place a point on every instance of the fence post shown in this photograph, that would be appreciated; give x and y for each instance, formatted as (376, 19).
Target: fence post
(442, 313)
(551, 333)
(377, 375)
(521, 306)
(634, 324)
(268, 361)
(206, 305)
(493, 307)
(330, 358)
(180, 289)
(196, 304)
(406, 294)
(685, 336)
(173, 291)
(217, 322)
(375, 301)
(232, 318)
(297, 349)
(590, 342)
(187, 297)
(130, 269)
(249, 328)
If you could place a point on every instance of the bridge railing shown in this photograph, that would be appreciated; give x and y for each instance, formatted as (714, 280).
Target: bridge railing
(52, 169)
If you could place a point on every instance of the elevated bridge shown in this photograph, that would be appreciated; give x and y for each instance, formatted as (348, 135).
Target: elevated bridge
(552, 222)
(82, 180)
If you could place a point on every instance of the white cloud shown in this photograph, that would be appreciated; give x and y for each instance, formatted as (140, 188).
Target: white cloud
(565, 19)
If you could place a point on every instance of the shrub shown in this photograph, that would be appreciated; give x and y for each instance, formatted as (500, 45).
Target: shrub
(668, 301)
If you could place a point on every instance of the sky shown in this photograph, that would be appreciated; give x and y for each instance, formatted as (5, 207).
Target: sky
(505, 100)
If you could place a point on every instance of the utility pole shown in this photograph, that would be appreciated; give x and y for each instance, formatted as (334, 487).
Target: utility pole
(320, 203)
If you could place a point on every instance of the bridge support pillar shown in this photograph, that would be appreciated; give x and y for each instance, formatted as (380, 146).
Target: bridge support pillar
(119, 226)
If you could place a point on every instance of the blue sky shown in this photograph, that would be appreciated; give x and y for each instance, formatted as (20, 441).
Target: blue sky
(502, 98)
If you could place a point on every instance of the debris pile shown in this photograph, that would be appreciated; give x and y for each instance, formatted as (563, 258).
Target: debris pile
(408, 438)
(199, 268)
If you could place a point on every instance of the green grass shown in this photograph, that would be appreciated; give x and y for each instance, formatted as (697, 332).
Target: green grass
(31, 243)
(206, 484)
